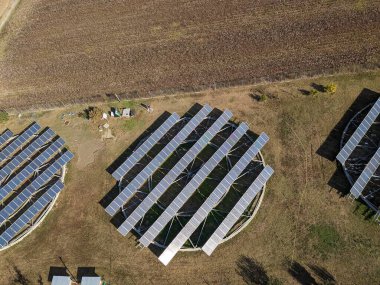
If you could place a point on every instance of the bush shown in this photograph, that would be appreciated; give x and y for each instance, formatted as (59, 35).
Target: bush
(263, 98)
(91, 113)
(330, 88)
(313, 92)
(3, 116)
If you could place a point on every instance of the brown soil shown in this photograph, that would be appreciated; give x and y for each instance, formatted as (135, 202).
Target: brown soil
(55, 52)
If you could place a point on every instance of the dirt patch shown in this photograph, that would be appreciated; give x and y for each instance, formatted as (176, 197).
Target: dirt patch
(57, 52)
(86, 152)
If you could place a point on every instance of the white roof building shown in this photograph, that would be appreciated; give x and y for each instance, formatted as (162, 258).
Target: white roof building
(61, 280)
(91, 281)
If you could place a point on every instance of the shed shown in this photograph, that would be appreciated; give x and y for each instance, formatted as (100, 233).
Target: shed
(61, 280)
(91, 281)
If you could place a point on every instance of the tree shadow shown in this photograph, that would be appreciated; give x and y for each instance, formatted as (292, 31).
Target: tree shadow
(300, 273)
(19, 277)
(251, 271)
(322, 273)
(318, 87)
(304, 92)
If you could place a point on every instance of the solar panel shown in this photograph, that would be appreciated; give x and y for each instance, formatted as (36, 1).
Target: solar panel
(359, 133)
(25, 154)
(172, 175)
(238, 210)
(366, 175)
(35, 185)
(192, 186)
(4, 137)
(207, 206)
(145, 147)
(19, 141)
(30, 168)
(159, 159)
(30, 214)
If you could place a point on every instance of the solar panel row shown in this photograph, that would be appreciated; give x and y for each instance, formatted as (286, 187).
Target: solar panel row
(238, 210)
(192, 186)
(35, 185)
(359, 133)
(25, 154)
(19, 141)
(139, 153)
(212, 200)
(172, 175)
(4, 137)
(28, 170)
(366, 175)
(158, 160)
(28, 216)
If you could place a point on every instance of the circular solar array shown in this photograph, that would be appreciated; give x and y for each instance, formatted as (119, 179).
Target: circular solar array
(192, 183)
(221, 209)
(361, 155)
(32, 170)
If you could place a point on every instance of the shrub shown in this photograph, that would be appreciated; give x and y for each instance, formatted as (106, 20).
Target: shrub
(3, 116)
(330, 88)
(263, 98)
(91, 113)
(313, 92)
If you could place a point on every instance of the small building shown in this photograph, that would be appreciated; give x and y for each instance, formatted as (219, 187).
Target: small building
(61, 280)
(91, 281)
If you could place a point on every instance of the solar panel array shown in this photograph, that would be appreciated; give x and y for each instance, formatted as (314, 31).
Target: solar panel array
(212, 200)
(29, 179)
(4, 137)
(238, 210)
(366, 175)
(139, 153)
(172, 175)
(195, 181)
(159, 159)
(359, 133)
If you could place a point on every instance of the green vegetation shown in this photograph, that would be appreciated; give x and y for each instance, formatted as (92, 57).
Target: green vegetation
(327, 238)
(3, 116)
(330, 88)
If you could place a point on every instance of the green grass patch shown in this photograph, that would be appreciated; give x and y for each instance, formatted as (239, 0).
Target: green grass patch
(132, 124)
(327, 239)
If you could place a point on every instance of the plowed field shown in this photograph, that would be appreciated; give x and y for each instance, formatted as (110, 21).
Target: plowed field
(54, 52)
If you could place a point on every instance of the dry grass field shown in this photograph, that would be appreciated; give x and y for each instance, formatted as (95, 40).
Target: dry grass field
(55, 52)
(302, 218)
